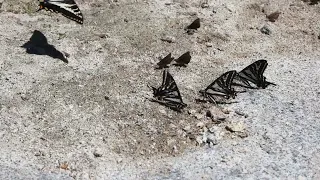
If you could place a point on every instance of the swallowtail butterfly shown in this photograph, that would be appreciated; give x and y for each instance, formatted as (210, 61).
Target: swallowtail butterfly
(220, 89)
(195, 24)
(168, 93)
(252, 76)
(67, 8)
(165, 61)
(183, 60)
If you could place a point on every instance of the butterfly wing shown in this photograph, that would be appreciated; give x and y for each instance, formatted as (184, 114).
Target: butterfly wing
(168, 93)
(165, 61)
(254, 74)
(220, 89)
(67, 8)
(183, 59)
(195, 24)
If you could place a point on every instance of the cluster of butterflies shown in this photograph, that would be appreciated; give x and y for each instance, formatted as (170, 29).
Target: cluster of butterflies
(168, 93)
(218, 91)
(67, 8)
(183, 60)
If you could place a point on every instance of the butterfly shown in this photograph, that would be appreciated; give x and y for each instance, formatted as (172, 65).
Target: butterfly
(194, 25)
(252, 76)
(38, 44)
(220, 89)
(67, 8)
(163, 63)
(168, 93)
(183, 60)
(191, 29)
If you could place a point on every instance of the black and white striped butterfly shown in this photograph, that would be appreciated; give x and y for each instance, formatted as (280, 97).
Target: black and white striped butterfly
(252, 76)
(220, 89)
(67, 8)
(168, 93)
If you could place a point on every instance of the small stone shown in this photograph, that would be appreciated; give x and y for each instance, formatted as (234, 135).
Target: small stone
(230, 7)
(204, 5)
(187, 129)
(169, 39)
(24, 97)
(236, 127)
(216, 114)
(175, 149)
(217, 131)
(243, 134)
(199, 140)
(198, 116)
(97, 153)
(39, 153)
(212, 139)
(64, 166)
(214, 10)
(191, 31)
(102, 36)
(163, 111)
(192, 111)
(265, 30)
(119, 160)
(200, 124)
(225, 111)
(208, 44)
(241, 114)
(67, 55)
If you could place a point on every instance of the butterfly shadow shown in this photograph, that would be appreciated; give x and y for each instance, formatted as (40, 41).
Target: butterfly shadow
(38, 45)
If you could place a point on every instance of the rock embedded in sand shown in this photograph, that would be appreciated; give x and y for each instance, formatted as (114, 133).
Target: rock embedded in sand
(236, 127)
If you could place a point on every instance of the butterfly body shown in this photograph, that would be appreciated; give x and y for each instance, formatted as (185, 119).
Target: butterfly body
(168, 93)
(252, 76)
(67, 8)
(220, 89)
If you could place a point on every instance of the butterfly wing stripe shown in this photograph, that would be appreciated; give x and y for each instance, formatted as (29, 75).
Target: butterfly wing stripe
(168, 93)
(67, 8)
(220, 87)
(254, 72)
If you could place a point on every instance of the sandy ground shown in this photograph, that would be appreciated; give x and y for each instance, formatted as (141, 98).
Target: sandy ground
(91, 118)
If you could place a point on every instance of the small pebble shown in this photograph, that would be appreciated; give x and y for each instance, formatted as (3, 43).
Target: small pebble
(236, 127)
(214, 10)
(119, 160)
(200, 124)
(208, 44)
(192, 111)
(204, 5)
(187, 129)
(241, 114)
(212, 139)
(97, 153)
(169, 39)
(39, 153)
(199, 140)
(198, 116)
(265, 30)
